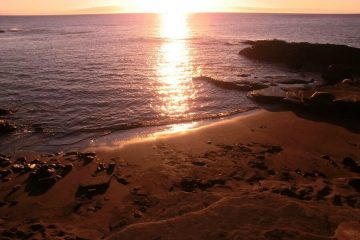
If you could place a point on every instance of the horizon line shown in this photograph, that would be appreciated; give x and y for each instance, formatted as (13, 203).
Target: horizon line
(217, 12)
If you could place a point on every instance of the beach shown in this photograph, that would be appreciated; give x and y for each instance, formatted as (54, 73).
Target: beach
(227, 126)
(265, 175)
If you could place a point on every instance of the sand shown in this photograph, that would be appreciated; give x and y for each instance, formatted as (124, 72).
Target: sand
(266, 175)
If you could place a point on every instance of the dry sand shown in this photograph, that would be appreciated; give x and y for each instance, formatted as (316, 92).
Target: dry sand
(267, 175)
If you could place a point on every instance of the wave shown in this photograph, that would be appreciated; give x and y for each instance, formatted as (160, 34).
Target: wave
(156, 123)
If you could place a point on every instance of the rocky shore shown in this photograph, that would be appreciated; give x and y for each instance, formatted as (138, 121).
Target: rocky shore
(276, 174)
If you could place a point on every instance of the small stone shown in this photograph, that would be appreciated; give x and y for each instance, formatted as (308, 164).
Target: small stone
(355, 183)
(21, 159)
(15, 188)
(119, 224)
(209, 142)
(37, 227)
(200, 164)
(16, 168)
(138, 214)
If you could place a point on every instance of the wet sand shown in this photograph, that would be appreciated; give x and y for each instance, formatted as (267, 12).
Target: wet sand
(267, 175)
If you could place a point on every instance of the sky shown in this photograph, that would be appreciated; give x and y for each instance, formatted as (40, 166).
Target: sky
(35, 7)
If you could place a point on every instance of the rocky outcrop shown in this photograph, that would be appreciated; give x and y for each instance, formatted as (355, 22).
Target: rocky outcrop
(240, 86)
(343, 97)
(336, 62)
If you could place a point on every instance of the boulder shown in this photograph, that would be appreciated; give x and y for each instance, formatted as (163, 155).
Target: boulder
(336, 73)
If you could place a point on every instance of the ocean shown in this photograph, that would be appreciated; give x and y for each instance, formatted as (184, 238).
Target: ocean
(75, 79)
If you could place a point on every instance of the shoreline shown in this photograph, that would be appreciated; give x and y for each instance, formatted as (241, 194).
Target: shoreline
(264, 175)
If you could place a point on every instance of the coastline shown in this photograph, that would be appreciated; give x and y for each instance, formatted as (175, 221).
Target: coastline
(271, 175)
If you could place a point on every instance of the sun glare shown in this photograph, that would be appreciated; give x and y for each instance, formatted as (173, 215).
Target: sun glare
(174, 65)
(175, 6)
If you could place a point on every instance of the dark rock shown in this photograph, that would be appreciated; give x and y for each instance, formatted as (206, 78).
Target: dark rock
(16, 168)
(5, 111)
(351, 201)
(322, 97)
(119, 224)
(67, 169)
(111, 168)
(279, 234)
(46, 183)
(295, 81)
(4, 173)
(337, 73)
(6, 126)
(4, 162)
(199, 164)
(351, 164)
(275, 149)
(122, 180)
(37, 227)
(21, 159)
(286, 176)
(337, 200)
(325, 191)
(355, 183)
(307, 56)
(71, 153)
(90, 190)
(189, 185)
(240, 86)
(15, 188)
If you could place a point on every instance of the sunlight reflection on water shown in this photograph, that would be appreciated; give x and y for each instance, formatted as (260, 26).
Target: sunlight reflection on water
(174, 67)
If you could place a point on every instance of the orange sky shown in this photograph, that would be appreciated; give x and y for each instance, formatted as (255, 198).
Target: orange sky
(112, 6)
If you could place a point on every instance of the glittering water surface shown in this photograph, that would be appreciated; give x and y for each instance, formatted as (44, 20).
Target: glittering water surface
(74, 78)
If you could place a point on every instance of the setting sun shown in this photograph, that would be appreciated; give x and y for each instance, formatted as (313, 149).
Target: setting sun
(175, 6)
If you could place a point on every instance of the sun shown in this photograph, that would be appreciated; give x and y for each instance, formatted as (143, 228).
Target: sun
(175, 6)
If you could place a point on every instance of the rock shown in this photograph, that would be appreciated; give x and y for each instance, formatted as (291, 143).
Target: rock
(6, 126)
(46, 183)
(2, 31)
(190, 185)
(295, 81)
(274, 149)
(5, 112)
(67, 169)
(336, 73)
(138, 214)
(15, 188)
(4, 162)
(71, 153)
(37, 227)
(307, 56)
(244, 75)
(347, 81)
(240, 86)
(119, 224)
(268, 95)
(200, 164)
(111, 168)
(355, 183)
(348, 231)
(89, 190)
(16, 168)
(351, 164)
(21, 159)
(4, 173)
(87, 156)
(322, 97)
